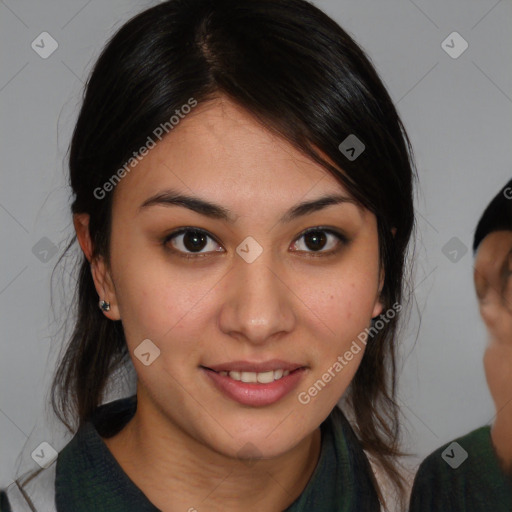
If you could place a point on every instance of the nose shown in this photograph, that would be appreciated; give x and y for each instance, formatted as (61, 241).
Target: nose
(259, 303)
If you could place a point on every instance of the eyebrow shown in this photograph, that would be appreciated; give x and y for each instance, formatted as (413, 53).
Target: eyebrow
(216, 211)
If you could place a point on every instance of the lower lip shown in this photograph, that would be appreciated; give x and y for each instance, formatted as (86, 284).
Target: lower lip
(256, 395)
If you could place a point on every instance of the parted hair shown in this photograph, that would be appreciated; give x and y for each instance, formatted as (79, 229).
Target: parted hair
(303, 77)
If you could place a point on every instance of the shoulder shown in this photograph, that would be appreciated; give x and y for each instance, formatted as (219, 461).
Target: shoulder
(463, 474)
(35, 490)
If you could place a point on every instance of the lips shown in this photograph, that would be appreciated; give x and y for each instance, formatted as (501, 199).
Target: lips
(255, 384)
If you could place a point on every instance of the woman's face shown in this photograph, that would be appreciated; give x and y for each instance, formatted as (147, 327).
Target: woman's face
(249, 294)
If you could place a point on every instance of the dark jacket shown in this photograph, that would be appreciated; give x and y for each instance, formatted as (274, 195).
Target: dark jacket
(462, 476)
(87, 478)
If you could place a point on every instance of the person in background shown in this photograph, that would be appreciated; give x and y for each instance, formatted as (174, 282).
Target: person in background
(474, 473)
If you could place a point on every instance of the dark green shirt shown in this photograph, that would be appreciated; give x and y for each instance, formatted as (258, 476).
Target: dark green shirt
(89, 479)
(477, 484)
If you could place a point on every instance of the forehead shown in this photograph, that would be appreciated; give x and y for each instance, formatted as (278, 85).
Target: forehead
(220, 148)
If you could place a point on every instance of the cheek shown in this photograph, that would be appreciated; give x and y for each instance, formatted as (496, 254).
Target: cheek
(345, 314)
(151, 296)
(171, 306)
(164, 300)
(346, 299)
(345, 309)
(498, 368)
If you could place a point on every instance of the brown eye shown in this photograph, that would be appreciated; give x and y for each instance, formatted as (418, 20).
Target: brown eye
(194, 240)
(190, 242)
(315, 240)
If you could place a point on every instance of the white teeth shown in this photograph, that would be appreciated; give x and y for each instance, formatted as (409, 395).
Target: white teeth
(248, 377)
(261, 377)
(265, 377)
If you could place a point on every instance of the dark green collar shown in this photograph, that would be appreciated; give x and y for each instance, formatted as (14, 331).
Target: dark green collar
(470, 484)
(89, 478)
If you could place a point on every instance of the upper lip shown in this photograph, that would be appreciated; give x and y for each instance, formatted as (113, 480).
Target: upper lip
(247, 366)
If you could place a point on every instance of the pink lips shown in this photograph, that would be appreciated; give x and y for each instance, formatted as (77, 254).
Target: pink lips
(255, 394)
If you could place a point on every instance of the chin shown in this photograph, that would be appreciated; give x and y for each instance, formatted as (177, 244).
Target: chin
(262, 444)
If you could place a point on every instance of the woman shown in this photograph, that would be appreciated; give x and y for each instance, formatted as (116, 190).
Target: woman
(474, 472)
(243, 200)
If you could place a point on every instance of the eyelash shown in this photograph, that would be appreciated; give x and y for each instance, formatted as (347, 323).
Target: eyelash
(310, 254)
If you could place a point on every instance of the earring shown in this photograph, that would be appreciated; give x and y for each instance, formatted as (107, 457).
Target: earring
(104, 305)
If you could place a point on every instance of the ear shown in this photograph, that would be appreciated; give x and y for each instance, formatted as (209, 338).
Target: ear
(101, 274)
(379, 306)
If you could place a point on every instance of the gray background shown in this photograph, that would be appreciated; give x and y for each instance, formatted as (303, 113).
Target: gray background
(457, 112)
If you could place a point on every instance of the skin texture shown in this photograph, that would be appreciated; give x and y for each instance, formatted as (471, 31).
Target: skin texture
(493, 283)
(185, 439)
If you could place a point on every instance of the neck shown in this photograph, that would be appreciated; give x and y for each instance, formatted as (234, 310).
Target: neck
(498, 369)
(502, 441)
(176, 472)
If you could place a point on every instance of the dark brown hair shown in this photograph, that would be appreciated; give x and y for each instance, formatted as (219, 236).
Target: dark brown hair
(303, 77)
(497, 216)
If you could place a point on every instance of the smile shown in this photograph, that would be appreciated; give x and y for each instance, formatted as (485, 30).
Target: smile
(262, 377)
(243, 383)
